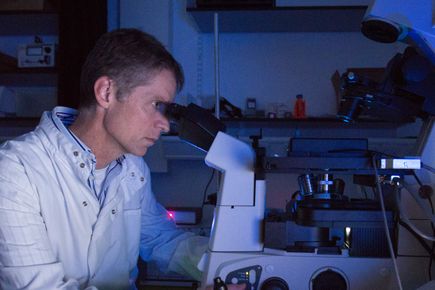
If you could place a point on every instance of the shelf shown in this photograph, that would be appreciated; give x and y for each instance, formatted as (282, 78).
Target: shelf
(26, 77)
(26, 122)
(281, 19)
(309, 122)
(12, 127)
(27, 22)
(343, 165)
(27, 11)
(24, 22)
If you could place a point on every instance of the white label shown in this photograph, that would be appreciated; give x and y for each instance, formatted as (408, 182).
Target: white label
(406, 163)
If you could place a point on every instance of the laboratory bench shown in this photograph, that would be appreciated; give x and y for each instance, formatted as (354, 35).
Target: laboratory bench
(148, 287)
(166, 285)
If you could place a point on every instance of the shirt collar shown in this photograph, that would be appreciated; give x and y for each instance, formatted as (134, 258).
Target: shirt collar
(62, 118)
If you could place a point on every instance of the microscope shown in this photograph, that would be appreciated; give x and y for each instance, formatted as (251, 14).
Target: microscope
(238, 250)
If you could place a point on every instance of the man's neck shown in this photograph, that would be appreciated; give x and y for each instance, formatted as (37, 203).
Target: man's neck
(89, 128)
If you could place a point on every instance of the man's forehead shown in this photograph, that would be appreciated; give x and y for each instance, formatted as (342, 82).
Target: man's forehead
(153, 94)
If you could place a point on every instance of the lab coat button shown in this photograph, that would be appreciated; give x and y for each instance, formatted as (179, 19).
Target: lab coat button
(132, 174)
(142, 179)
(113, 211)
(85, 203)
(82, 165)
(76, 153)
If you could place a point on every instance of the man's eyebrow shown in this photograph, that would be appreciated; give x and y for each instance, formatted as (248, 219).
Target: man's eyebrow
(161, 99)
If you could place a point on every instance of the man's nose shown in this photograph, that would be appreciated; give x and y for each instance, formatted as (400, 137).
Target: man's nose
(163, 124)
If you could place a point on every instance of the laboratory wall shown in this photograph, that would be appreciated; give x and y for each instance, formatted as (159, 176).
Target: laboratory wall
(270, 67)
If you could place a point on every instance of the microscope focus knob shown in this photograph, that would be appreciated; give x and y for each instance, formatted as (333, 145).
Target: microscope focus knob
(329, 279)
(274, 283)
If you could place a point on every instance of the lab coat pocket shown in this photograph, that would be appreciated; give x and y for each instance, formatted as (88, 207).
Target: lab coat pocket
(132, 195)
(132, 219)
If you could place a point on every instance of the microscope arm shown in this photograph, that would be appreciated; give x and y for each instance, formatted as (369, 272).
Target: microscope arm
(237, 222)
(407, 89)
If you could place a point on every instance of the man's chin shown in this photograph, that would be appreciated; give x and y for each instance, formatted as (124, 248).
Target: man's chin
(139, 152)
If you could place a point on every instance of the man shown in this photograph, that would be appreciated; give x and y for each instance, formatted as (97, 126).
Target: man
(76, 206)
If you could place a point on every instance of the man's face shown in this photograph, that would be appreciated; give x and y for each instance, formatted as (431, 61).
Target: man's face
(135, 123)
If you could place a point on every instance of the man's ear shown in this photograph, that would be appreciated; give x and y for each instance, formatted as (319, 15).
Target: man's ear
(103, 90)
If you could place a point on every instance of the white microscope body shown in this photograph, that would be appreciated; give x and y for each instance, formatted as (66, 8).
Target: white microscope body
(236, 251)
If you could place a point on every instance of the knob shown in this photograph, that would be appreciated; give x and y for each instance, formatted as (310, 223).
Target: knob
(329, 279)
(274, 283)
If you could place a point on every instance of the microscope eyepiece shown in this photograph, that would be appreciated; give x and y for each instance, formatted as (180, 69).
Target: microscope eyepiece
(380, 30)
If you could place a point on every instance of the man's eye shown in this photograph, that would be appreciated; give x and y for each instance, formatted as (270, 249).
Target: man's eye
(159, 106)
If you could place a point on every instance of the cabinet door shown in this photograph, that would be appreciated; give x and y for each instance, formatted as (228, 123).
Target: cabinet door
(81, 23)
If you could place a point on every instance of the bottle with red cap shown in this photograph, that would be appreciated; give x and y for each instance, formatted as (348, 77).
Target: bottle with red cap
(299, 109)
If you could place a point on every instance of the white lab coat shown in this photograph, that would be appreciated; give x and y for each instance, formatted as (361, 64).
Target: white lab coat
(53, 234)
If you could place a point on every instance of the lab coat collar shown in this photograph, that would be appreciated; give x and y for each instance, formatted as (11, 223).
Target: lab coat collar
(61, 143)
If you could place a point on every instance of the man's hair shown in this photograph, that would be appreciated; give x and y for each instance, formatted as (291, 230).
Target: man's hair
(130, 58)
